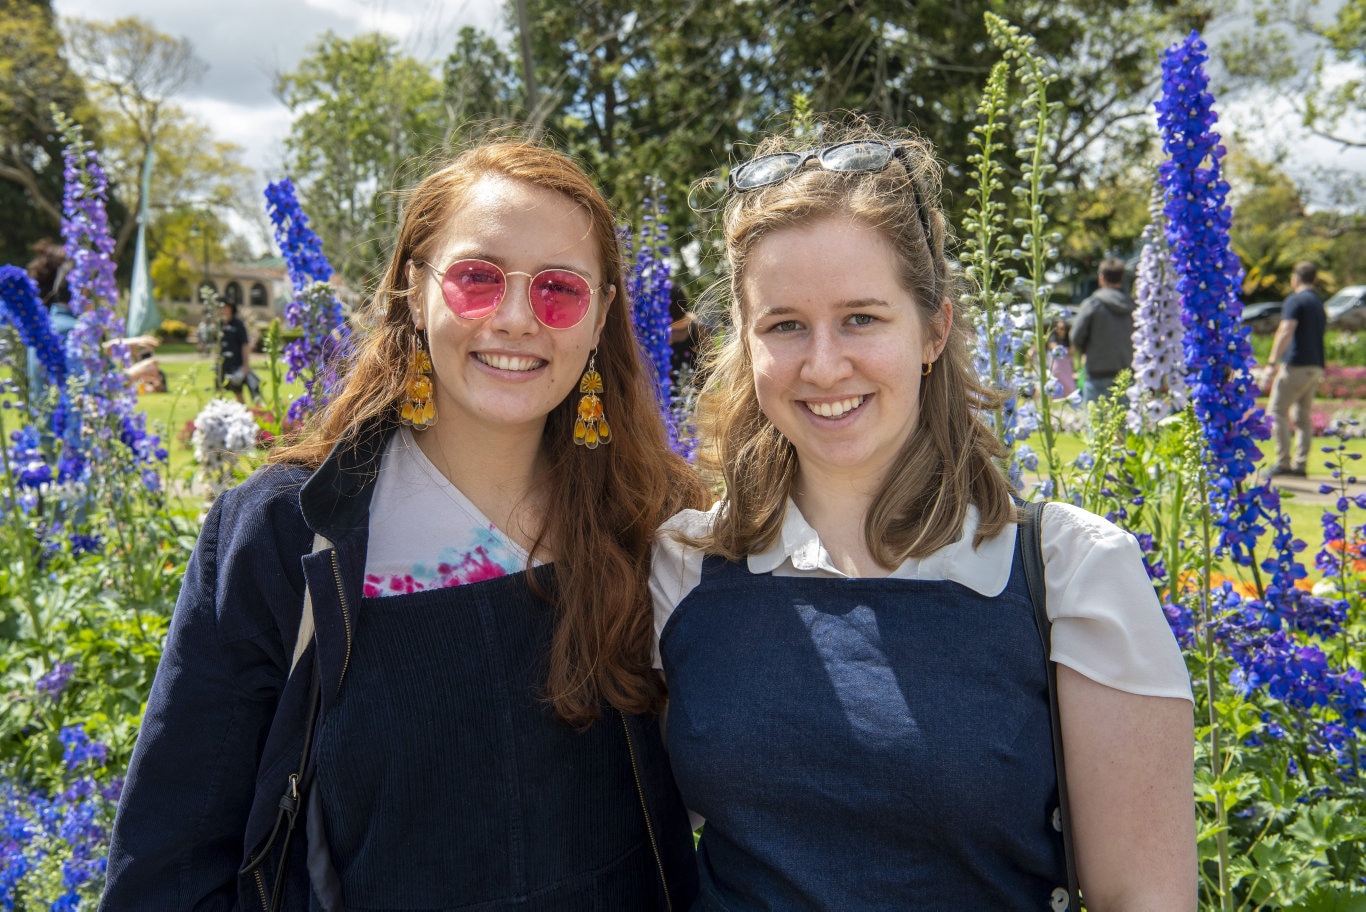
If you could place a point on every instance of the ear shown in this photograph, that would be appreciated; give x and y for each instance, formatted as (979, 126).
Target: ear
(943, 323)
(414, 297)
(601, 319)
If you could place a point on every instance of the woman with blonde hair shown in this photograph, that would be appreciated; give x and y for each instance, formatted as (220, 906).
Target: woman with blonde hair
(466, 530)
(859, 704)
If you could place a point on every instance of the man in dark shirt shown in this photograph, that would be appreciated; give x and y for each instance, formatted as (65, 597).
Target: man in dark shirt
(1104, 329)
(234, 364)
(1299, 344)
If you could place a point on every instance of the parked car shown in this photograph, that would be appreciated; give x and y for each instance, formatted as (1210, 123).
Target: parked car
(1347, 308)
(1262, 316)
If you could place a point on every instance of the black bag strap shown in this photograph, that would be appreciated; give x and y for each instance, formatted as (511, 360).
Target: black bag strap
(1031, 551)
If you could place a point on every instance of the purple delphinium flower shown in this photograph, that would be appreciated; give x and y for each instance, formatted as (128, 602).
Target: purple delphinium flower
(326, 339)
(102, 395)
(70, 826)
(79, 747)
(1159, 381)
(316, 355)
(53, 684)
(21, 307)
(1000, 339)
(1218, 356)
(1275, 640)
(650, 285)
(28, 466)
(300, 246)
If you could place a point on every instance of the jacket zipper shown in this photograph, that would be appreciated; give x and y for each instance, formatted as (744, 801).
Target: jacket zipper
(649, 826)
(346, 617)
(261, 889)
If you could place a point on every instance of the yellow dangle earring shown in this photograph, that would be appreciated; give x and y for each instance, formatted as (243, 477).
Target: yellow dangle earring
(418, 411)
(590, 427)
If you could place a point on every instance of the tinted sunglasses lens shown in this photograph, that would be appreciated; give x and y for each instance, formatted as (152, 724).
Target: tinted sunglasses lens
(766, 170)
(857, 156)
(560, 298)
(473, 288)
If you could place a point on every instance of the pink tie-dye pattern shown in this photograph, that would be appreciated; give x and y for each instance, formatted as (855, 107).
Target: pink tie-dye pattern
(475, 567)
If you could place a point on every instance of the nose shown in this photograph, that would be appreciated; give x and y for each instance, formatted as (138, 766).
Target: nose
(826, 359)
(513, 314)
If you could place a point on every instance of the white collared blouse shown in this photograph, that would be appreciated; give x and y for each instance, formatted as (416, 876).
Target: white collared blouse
(1107, 622)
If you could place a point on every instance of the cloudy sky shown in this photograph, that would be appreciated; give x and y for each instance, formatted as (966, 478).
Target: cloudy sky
(247, 42)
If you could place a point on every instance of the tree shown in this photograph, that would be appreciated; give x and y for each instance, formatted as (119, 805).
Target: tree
(134, 71)
(34, 76)
(668, 89)
(185, 240)
(1316, 64)
(363, 112)
(481, 86)
(657, 90)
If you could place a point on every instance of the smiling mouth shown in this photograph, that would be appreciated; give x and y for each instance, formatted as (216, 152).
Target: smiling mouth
(510, 362)
(835, 409)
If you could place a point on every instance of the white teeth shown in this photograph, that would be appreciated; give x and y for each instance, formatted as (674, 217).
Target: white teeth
(510, 363)
(836, 409)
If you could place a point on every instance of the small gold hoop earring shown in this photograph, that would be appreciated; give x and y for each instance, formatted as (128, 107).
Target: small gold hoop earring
(926, 368)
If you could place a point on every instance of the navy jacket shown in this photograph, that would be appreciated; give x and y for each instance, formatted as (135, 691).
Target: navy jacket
(224, 726)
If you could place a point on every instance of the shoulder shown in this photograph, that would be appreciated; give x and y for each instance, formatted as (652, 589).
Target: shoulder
(673, 548)
(1301, 300)
(1073, 527)
(676, 565)
(1108, 624)
(690, 523)
(264, 511)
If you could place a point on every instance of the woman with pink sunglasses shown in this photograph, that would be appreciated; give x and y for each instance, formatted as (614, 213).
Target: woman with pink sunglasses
(858, 670)
(410, 663)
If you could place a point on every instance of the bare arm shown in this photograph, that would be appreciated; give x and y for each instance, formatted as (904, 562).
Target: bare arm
(1285, 331)
(1130, 766)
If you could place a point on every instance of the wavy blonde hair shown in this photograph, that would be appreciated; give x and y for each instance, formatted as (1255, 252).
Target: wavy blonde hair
(949, 461)
(605, 504)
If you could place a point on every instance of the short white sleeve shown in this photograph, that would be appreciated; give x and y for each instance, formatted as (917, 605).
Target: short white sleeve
(1107, 622)
(675, 568)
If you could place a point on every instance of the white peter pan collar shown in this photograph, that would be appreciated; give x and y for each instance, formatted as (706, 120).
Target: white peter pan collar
(985, 570)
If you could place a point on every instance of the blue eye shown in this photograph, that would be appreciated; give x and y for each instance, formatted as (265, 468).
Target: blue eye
(862, 319)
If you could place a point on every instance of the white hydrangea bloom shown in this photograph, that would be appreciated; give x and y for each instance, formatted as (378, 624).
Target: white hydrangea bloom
(223, 431)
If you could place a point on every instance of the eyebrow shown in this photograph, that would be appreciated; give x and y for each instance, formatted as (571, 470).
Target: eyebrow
(782, 310)
(501, 263)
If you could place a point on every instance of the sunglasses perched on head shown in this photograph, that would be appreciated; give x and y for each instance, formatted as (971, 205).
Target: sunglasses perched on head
(860, 155)
(473, 289)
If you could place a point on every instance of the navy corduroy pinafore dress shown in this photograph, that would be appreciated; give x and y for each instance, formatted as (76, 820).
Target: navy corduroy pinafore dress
(861, 744)
(446, 782)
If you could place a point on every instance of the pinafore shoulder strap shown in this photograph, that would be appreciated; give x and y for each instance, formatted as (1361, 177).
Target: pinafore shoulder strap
(1031, 551)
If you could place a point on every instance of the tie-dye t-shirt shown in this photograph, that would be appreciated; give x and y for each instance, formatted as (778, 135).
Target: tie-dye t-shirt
(425, 533)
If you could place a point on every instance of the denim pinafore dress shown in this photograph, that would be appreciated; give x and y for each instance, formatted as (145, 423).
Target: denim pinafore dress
(445, 781)
(861, 744)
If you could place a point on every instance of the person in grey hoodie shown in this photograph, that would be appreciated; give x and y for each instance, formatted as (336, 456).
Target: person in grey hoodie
(1104, 329)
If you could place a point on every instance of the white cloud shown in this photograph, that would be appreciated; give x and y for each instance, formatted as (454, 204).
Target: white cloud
(248, 42)
(259, 130)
